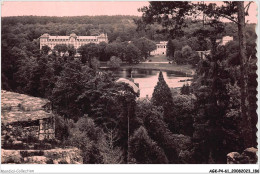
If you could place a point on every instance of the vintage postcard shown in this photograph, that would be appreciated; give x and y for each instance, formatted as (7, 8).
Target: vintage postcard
(129, 82)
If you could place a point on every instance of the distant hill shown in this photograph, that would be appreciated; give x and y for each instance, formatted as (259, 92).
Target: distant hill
(69, 19)
(34, 26)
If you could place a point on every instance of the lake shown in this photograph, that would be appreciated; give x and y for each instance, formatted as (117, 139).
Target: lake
(147, 79)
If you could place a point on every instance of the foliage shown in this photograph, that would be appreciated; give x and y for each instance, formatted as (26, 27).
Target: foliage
(61, 48)
(169, 14)
(183, 112)
(186, 56)
(114, 62)
(88, 52)
(145, 46)
(68, 88)
(62, 128)
(162, 96)
(185, 89)
(71, 50)
(45, 49)
(143, 150)
(115, 49)
(170, 49)
(151, 118)
(87, 137)
(132, 54)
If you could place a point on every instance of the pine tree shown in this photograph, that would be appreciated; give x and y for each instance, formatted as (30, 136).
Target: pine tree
(143, 150)
(162, 97)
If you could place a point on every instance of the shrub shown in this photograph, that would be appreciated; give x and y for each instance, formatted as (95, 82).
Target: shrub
(114, 62)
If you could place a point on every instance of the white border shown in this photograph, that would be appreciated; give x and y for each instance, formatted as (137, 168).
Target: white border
(131, 168)
(125, 168)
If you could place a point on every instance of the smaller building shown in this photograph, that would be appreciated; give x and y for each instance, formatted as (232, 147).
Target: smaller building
(225, 40)
(160, 48)
(203, 54)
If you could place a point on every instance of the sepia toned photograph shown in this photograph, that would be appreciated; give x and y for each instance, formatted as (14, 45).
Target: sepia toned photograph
(129, 82)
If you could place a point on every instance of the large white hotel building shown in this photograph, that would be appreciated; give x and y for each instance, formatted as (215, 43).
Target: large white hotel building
(72, 39)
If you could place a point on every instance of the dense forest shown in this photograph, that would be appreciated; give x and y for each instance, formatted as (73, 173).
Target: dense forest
(107, 120)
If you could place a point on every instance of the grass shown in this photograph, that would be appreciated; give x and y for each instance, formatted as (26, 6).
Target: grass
(158, 58)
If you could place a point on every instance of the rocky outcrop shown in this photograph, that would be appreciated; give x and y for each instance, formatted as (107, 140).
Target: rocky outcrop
(249, 156)
(25, 120)
(11, 156)
(64, 156)
(52, 156)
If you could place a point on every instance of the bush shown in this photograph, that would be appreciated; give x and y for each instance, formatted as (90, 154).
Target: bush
(95, 64)
(114, 62)
(62, 128)
(88, 138)
(143, 150)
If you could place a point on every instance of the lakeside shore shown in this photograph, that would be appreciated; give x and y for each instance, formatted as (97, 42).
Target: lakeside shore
(179, 69)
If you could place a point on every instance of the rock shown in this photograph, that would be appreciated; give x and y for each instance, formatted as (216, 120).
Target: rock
(52, 156)
(252, 154)
(36, 160)
(63, 156)
(231, 157)
(55, 162)
(249, 156)
(11, 156)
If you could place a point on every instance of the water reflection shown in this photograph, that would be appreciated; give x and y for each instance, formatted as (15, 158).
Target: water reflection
(147, 79)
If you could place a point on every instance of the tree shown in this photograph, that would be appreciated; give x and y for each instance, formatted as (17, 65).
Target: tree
(132, 54)
(88, 52)
(102, 51)
(247, 130)
(45, 49)
(145, 46)
(112, 154)
(189, 56)
(89, 139)
(116, 49)
(114, 62)
(178, 57)
(186, 52)
(61, 48)
(236, 12)
(162, 97)
(183, 113)
(169, 14)
(143, 150)
(71, 50)
(185, 89)
(69, 86)
(170, 49)
(151, 117)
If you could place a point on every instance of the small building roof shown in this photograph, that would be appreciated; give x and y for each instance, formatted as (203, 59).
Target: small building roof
(130, 83)
(17, 107)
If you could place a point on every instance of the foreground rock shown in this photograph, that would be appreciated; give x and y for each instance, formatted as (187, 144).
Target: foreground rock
(249, 156)
(52, 156)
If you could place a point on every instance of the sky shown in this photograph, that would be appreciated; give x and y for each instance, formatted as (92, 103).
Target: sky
(80, 8)
(71, 8)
